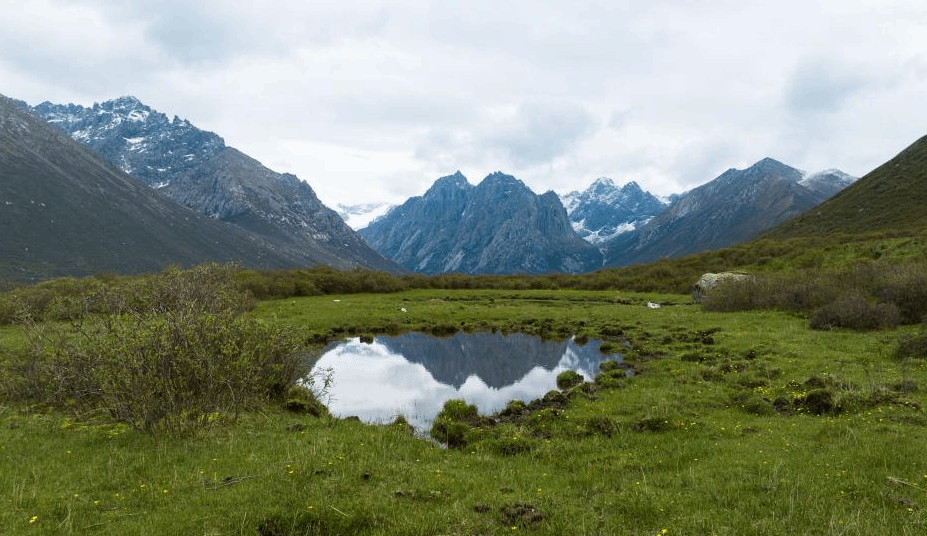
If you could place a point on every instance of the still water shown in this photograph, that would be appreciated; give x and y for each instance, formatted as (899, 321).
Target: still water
(414, 374)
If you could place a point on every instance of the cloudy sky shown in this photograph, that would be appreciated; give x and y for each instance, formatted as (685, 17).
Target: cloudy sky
(373, 101)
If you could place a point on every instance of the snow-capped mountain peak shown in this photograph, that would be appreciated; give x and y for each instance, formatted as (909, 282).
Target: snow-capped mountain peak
(604, 210)
(827, 182)
(136, 138)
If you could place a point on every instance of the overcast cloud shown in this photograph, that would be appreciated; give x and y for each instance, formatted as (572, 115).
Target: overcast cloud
(373, 101)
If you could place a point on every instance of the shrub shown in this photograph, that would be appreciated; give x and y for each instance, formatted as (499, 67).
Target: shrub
(853, 311)
(173, 372)
(913, 346)
(10, 309)
(906, 287)
(177, 357)
(735, 295)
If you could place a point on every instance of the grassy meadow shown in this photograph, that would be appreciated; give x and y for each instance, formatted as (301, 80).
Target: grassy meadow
(733, 423)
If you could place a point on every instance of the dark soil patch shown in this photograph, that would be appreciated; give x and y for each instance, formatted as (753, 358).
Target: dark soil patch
(521, 515)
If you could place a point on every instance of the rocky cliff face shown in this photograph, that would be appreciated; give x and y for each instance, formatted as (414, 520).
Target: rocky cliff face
(734, 207)
(498, 226)
(604, 211)
(196, 169)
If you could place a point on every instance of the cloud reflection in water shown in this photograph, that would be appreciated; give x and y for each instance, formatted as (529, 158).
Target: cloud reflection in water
(414, 374)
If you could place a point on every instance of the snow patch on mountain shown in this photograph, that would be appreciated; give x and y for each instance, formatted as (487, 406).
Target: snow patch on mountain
(830, 174)
(604, 211)
(360, 216)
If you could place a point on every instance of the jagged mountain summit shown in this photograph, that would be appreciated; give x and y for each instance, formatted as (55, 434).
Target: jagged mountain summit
(733, 208)
(65, 211)
(135, 138)
(603, 211)
(196, 169)
(499, 226)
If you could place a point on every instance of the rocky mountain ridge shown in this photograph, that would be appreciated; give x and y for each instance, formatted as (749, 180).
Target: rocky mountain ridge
(498, 226)
(196, 169)
(65, 211)
(603, 211)
(732, 208)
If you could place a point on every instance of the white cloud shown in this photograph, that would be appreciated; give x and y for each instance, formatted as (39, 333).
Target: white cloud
(823, 85)
(367, 100)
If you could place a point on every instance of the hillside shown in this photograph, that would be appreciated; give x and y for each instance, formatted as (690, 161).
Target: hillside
(64, 211)
(890, 199)
(196, 169)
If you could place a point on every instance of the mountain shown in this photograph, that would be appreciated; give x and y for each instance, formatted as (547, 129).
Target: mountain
(196, 169)
(360, 216)
(734, 207)
(603, 210)
(827, 183)
(891, 198)
(498, 226)
(64, 211)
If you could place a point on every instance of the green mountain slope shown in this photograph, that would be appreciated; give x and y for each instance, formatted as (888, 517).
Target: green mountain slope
(891, 199)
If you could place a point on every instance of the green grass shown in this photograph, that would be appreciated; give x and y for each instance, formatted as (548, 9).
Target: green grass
(889, 199)
(690, 444)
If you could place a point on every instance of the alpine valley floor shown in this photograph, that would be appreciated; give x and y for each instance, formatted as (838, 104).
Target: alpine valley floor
(745, 423)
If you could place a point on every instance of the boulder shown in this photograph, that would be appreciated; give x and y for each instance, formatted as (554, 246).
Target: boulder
(709, 281)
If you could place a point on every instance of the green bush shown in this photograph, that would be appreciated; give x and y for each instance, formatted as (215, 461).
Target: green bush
(174, 372)
(906, 287)
(864, 295)
(178, 356)
(855, 312)
(913, 346)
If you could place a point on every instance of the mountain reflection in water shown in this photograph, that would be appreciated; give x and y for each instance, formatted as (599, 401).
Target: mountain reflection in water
(414, 374)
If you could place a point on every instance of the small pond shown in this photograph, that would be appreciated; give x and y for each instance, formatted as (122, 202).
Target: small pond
(414, 374)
